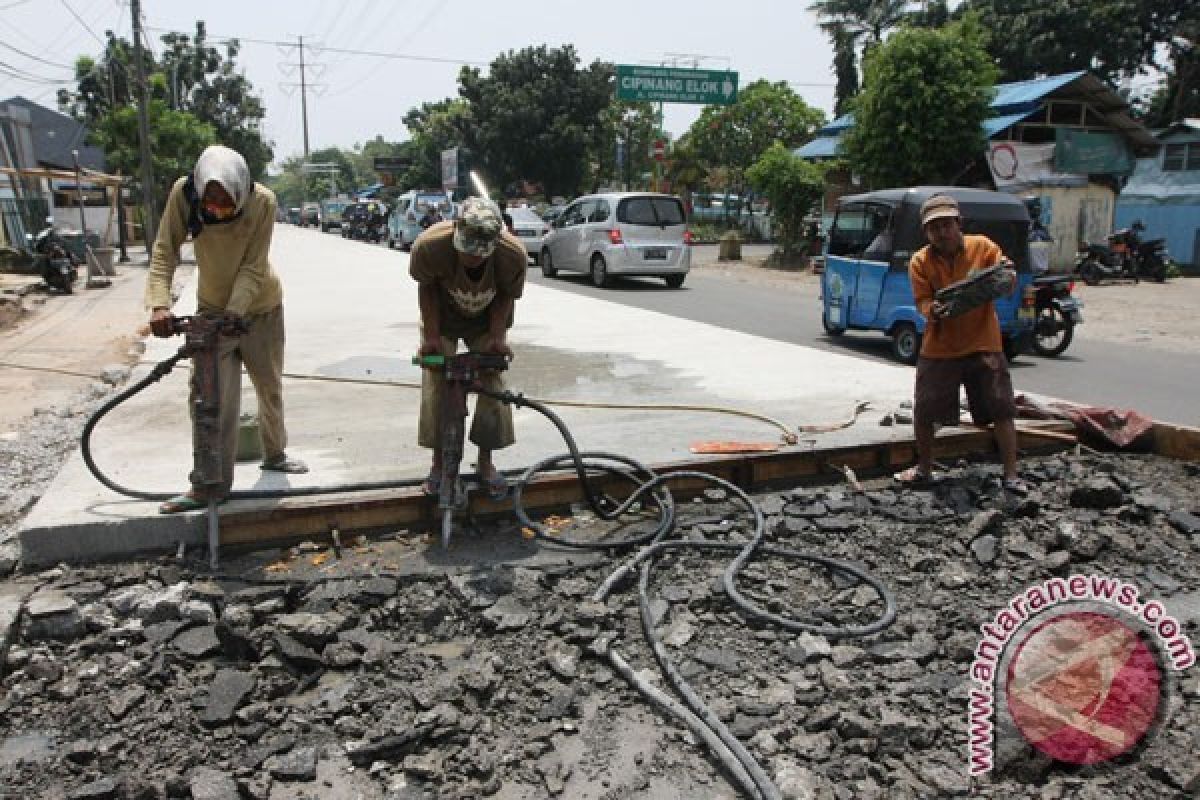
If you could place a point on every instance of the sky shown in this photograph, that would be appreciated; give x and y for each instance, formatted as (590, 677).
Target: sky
(357, 96)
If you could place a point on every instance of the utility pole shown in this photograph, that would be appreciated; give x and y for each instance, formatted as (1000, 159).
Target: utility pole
(150, 207)
(303, 98)
(304, 67)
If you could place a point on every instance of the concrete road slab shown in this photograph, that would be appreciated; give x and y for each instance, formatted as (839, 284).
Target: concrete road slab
(351, 312)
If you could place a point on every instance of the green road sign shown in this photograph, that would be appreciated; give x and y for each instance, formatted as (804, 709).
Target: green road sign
(672, 85)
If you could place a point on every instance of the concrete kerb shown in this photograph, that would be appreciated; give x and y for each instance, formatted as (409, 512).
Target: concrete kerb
(570, 347)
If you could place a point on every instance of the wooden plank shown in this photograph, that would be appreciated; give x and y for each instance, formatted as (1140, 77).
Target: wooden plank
(315, 515)
(1177, 441)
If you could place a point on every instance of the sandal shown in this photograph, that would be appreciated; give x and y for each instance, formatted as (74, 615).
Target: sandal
(181, 503)
(432, 485)
(293, 466)
(915, 477)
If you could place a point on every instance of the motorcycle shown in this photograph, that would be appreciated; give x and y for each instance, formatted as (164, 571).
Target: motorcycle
(1124, 257)
(1058, 312)
(55, 263)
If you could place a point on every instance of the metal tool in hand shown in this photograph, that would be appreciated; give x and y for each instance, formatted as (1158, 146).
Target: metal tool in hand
(462, 374)
(202, 334)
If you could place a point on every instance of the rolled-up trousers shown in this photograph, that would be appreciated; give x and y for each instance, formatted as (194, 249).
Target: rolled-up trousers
(492, 425)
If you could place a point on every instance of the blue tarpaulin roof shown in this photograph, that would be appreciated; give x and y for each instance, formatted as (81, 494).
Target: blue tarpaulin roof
(996, 124)
(822, 147)
(1025, 95)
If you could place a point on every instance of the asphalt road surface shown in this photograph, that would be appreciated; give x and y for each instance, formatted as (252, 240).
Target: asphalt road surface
(1158, 383)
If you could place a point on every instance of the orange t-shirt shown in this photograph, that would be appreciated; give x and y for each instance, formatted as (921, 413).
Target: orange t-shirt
(976, 331)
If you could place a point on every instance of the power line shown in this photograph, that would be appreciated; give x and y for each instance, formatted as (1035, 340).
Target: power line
(20, 74)
(36, 58)
(79, 19)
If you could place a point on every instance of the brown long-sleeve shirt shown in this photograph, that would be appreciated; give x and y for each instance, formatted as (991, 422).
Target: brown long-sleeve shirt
(976, 331)
(235, 274)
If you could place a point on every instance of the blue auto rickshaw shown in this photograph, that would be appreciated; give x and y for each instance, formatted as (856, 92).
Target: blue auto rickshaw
(865, 283)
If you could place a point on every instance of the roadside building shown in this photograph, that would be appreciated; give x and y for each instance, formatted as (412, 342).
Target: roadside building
(37, 172)
(1068, 140)
(1164, 193)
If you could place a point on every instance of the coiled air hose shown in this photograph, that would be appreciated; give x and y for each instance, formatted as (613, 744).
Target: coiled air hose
(650, 489)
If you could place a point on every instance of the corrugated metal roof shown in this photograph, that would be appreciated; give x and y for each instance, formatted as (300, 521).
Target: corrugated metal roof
(996, 124)
(1014, 96)
(1149, 183)
(842, 123)
(822, 147)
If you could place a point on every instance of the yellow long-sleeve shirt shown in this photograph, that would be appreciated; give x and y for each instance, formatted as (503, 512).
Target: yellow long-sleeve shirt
(235, 274)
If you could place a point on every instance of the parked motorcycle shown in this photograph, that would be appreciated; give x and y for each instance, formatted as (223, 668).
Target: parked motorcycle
(1058, 312)
(55, 263)
(1124, 257)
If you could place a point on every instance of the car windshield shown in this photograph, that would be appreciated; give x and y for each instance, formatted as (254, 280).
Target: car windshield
(650, 211)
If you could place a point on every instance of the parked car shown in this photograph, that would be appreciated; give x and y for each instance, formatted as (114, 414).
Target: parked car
(530, 229)
(551, 213)
(310, 214)
(331, 214)
(404, 222)
(865, 284)
(620, 233)
(293, 215)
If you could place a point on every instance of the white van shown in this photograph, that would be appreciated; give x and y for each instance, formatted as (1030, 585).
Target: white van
(404, 223)
(620, 233)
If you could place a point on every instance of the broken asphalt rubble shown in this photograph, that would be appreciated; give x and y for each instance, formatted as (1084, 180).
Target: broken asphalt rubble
(156, 679)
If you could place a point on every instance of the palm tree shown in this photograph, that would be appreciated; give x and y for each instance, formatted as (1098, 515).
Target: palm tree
(867, 21)
(851, 23)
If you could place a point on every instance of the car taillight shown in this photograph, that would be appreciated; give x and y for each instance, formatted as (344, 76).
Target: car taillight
(1070, 287)
(687, 238)
(614, 236)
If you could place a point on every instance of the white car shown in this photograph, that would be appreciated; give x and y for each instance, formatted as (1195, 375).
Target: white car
(620, 233)
(530, 229)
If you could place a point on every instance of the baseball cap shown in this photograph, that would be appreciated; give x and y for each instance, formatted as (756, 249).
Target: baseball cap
(477, 227)
(938, 206)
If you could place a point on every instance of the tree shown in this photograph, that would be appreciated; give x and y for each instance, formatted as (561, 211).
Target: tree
(536, 116)
(737, 135)
(919, 117)
(854, 26)
(1178, 97)
(1109, 38)
(685, 171)
(794, 187)
(632, 127)
(176, 140)
(845, 68)
(211, 86)
(434, 127)
(196, 94)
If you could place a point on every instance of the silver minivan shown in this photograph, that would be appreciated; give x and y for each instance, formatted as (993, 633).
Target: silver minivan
(620, 233)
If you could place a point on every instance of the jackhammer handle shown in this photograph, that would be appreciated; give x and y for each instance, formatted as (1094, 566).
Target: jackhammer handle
(431, 360)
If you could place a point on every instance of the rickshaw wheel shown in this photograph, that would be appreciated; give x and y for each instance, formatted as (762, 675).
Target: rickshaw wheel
(906, 342)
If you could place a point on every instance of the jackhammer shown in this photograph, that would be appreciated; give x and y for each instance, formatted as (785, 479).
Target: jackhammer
(462, 374)
(202, 334)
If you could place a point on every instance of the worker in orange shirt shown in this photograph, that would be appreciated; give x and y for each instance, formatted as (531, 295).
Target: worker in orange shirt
(964, 350)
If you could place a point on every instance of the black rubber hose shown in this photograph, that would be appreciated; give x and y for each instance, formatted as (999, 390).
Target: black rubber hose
(159, 371)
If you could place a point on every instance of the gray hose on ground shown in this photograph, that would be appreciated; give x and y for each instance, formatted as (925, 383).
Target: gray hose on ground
(693, 723)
